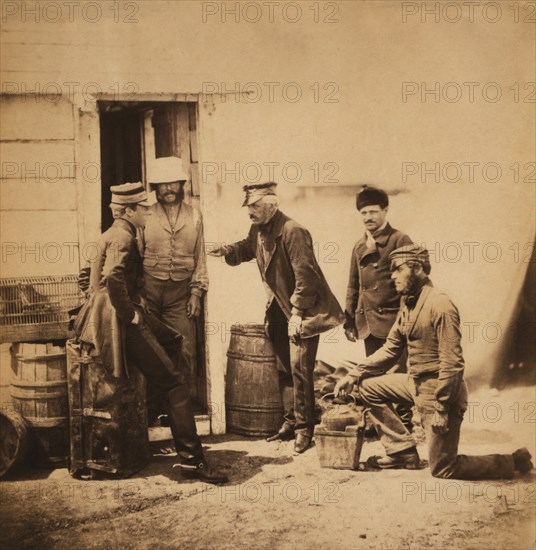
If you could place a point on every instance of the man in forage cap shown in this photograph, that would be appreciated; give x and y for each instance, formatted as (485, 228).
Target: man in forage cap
(116, 284)
(428, 323)
(174, 262)
(300, 303)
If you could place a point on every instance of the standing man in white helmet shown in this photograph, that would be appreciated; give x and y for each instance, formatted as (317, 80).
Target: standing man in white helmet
(123, 333)
(174, 261)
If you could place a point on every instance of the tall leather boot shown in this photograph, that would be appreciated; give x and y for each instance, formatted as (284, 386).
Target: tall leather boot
(187, 442)
(182, 423)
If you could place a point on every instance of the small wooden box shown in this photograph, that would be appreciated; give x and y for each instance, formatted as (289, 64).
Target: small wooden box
(339, 450)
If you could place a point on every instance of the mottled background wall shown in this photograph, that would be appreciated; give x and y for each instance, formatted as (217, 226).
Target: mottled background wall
(432, 101)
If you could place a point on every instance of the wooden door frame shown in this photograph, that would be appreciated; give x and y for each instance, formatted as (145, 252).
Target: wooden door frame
(87, 152)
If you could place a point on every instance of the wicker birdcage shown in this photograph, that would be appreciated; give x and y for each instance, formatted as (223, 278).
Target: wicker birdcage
(37, 308)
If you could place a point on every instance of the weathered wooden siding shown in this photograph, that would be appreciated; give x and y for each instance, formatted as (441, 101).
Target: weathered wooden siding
(367, 132)
(37, 187)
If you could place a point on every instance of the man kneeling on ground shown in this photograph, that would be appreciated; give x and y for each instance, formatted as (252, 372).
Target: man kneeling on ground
(428, 323)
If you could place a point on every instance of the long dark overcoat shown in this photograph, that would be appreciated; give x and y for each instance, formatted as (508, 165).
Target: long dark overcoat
(371, 298)
(116, 281)
(289, 269)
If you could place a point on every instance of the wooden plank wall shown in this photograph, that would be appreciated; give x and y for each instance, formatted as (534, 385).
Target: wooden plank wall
(38, 219)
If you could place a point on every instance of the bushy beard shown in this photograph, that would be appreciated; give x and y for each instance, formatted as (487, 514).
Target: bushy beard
(412, 284)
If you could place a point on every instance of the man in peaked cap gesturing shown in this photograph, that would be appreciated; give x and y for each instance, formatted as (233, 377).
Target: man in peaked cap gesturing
(429, 324)
(154, 348)
(174, 261)
(300, 303)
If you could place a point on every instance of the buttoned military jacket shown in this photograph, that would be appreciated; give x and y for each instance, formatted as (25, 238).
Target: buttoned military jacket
(371, 299)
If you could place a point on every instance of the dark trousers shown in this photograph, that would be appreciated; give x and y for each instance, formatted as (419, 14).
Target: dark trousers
(372, 344)
(155, 349)
(167, 300)
(296, 363)
(379, 393)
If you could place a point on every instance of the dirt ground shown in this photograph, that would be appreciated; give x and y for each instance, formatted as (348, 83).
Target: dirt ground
(277, 501)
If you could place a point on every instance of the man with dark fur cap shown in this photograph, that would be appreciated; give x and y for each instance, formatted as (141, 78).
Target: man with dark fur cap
(371, 299)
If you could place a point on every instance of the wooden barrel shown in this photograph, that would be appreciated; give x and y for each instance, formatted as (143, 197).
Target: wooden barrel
(252, 398)
(14, 442)
(39, 395)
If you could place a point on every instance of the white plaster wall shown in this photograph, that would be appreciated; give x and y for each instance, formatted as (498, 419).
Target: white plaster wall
(367, 133)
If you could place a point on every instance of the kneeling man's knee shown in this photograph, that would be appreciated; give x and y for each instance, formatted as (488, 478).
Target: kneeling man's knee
(366, 390)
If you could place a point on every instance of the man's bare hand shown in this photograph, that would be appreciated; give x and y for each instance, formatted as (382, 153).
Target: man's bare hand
(440, 422)
(294, 328)
(218, 251)
(350, 334)
(193, 307)
(345, 384)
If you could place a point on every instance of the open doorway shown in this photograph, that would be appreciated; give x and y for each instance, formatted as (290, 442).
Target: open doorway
(132, 135)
